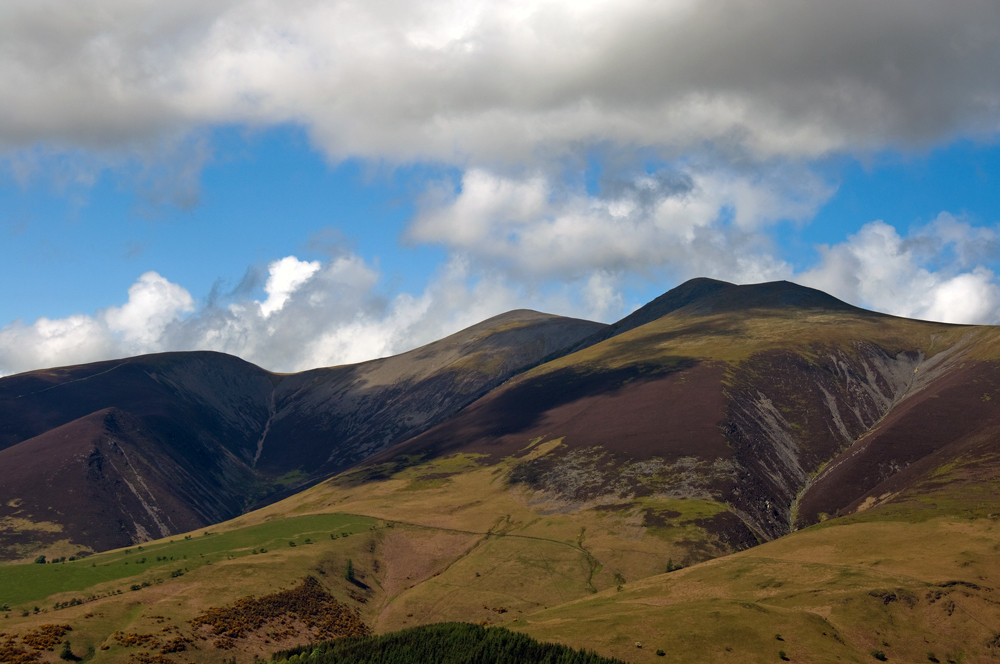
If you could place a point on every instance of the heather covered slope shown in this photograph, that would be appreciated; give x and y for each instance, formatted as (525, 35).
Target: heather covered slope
(107, 454)
(376, 404)
(114, 453)
(749, 396)
(451, 539)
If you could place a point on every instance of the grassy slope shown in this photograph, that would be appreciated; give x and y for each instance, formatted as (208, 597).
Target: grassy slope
(915, 579)
(732, 339)
(440, 541)
(831, 594)
(447, 540)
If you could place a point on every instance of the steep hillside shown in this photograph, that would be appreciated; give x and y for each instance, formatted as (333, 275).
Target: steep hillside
(373, 405)
(750, 396)
(107, 454)
(448, 539)
(115, 453)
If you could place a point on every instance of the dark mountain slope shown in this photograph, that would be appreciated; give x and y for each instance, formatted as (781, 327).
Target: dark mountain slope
(103, 481)
(738, 394)
(943, 421)
(375, 404)
(226, 389)
(113, 453)
(118, 452)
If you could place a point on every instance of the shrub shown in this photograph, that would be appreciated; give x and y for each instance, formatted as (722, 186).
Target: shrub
(66, 653)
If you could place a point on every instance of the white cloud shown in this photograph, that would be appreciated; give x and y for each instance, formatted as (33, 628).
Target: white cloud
(284, 278)
(693, 223)
(48, 343)
(153, 304)
(314, 314)
(335, 315)
(914, 276)
(971, 297)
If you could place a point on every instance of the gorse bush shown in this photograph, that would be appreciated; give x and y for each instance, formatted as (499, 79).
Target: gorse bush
(445, 643)
(322, 615)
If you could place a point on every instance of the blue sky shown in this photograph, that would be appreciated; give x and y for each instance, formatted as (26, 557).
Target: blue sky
(316, 183)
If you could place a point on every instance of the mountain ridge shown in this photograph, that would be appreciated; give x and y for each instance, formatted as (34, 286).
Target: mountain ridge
(746, 395)
(223, 426)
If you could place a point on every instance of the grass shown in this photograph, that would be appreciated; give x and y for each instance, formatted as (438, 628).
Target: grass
(833, 594)
(465, 546)
(27, 583)
(710, 337)
(477, 550)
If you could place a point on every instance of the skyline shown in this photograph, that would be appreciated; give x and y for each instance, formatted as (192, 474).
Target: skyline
(319, 183)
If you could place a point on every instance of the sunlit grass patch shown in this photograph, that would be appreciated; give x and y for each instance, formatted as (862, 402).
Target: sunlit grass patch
(155, 562)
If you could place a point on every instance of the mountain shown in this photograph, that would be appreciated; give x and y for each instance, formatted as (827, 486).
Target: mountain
(749, 473)
(115, 453)
(778, 402)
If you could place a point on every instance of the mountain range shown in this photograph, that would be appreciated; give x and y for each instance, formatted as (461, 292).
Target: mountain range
(715, 422)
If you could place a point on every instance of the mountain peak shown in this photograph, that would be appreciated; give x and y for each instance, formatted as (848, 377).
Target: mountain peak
(705, 296)
(769, 295)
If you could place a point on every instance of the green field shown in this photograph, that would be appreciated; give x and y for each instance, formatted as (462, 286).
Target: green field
(157, 561)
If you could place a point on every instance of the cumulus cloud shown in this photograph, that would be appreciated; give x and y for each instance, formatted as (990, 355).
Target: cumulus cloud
(695, 222)
(932, 274)
(47, 343)
(285, 276)
(487, 81)
(139, 326)
(153, 304)
(314, 314)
